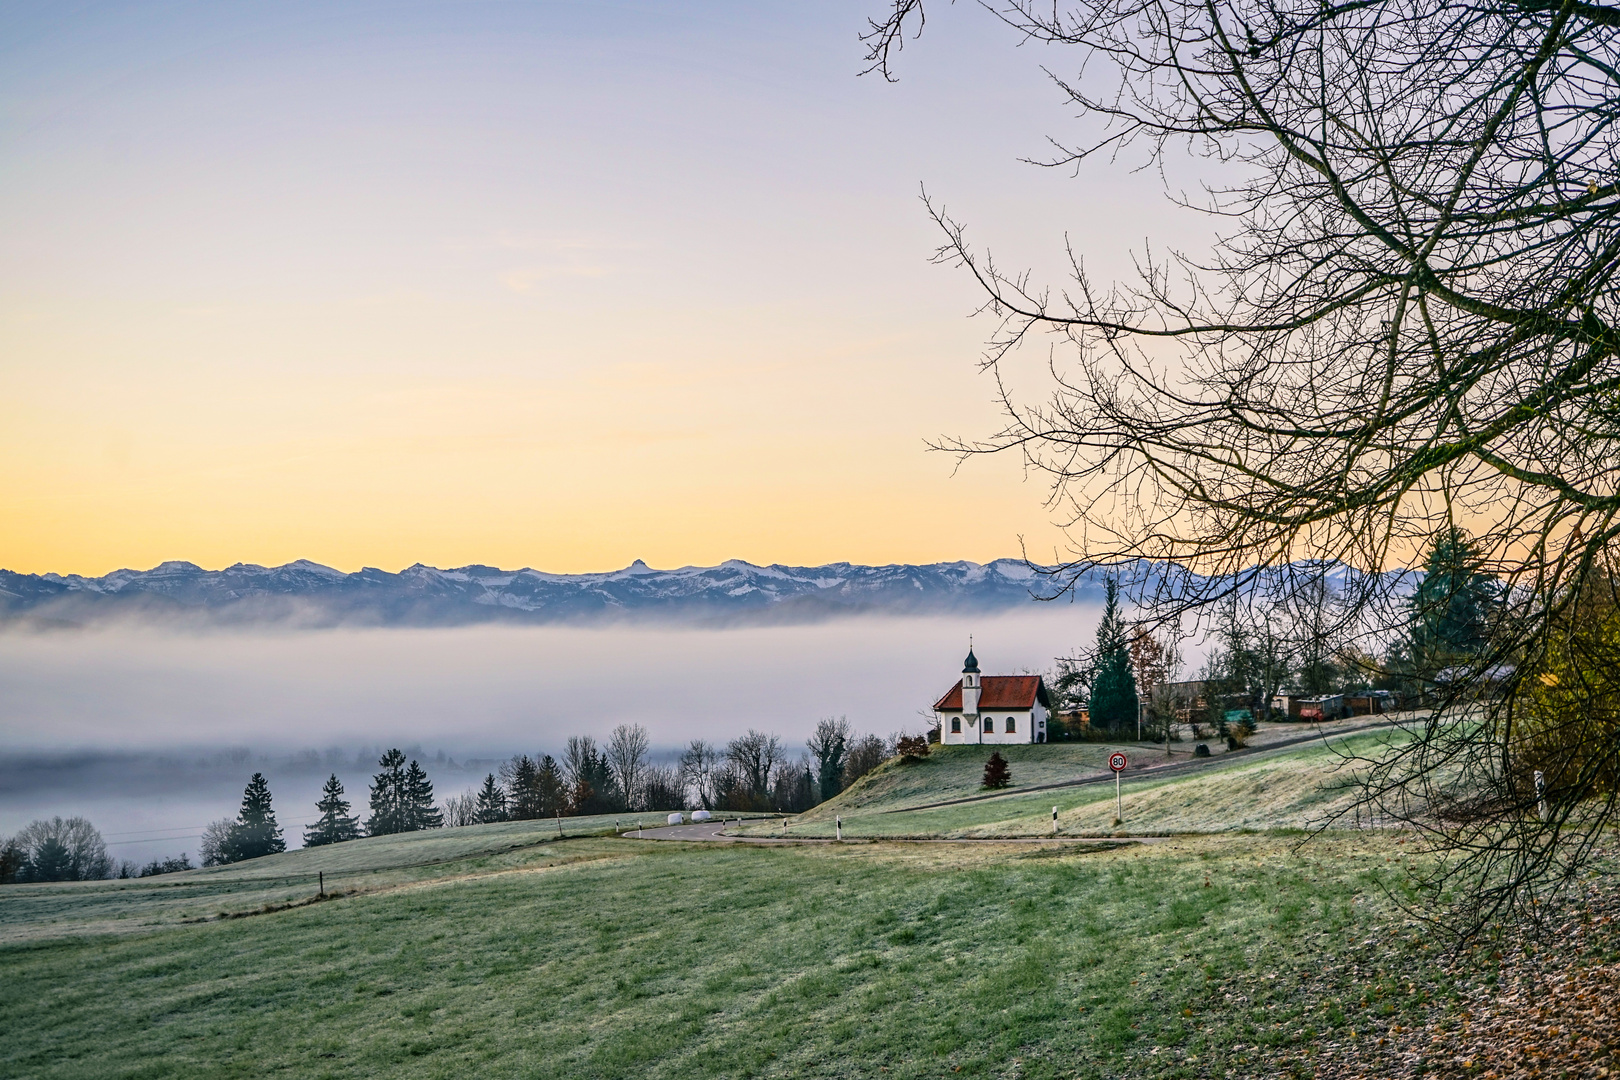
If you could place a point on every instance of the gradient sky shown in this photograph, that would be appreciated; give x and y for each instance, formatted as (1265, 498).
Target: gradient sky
(549, 284)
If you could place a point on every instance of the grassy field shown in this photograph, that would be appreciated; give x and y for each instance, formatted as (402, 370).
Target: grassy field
(604, 957)
(379, 862)
(504, 951)
(1292, 788)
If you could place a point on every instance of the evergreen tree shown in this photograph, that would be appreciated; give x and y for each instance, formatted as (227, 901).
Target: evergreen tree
(491, 802)
(996, 773)
(523, 792)
(420, 813)
(1113, 684)
(52, 862)
(550, 787)
(255, 832)
(388, 814)
(1451, 610)
(593, 789)
(335, 824)
(829, 744)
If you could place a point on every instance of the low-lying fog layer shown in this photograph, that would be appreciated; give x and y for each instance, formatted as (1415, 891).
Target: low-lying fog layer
(133, 727)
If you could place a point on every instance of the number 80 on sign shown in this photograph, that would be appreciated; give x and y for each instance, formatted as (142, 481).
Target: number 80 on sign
(1117, 762)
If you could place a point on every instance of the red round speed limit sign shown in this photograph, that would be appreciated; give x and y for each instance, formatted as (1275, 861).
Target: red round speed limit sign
(1117, 762)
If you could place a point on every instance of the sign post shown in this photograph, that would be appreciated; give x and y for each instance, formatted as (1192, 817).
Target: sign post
(1116, 761)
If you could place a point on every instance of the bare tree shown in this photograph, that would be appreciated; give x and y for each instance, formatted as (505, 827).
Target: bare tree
(626, 754)
(461, 809)
(865, 754)
(214, 847)
(700, 766)
(1407, 324)
(754, 757)
(662, 788)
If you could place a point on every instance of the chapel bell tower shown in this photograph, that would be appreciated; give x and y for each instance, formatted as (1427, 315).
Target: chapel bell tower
(970, 689)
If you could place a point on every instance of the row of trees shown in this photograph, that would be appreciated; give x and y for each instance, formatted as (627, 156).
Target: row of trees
(55, 849)
(71, 849)
(401, 801)
(1295, 634)
(752, 772)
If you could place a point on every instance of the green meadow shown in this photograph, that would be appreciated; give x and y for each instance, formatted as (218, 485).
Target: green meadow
(1295, 787)
(503, 951)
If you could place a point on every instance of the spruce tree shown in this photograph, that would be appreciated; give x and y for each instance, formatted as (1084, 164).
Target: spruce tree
(551, 789)
(1451, 609)
(523, 793)
(996, 773)
(255, 832)
(388, 796)
(491, 802)
(335, 824)
(1113, 684)
(420, 813)
(52, 862)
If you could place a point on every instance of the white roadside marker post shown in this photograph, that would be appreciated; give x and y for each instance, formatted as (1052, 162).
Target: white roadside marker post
(1054, 821)
(838, 822)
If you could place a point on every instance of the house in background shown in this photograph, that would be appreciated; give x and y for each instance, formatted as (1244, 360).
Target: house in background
(993, 708)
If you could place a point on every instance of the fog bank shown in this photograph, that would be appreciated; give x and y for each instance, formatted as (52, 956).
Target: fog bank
(150, 730)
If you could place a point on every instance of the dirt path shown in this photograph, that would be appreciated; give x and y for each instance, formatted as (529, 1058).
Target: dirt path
(715, 831)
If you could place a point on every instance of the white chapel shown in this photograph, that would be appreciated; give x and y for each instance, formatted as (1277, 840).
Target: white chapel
(992, 708)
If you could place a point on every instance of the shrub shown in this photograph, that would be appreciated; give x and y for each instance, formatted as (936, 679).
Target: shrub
(166, 866)
(996, 773)
(912, 747)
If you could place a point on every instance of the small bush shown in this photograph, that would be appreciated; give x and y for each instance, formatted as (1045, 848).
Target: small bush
(912, 747)
(996, 773)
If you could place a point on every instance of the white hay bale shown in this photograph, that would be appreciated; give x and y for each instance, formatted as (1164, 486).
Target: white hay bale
(701, 815)
(677, 819)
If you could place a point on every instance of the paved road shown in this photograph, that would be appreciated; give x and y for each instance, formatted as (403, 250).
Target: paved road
(714, 831)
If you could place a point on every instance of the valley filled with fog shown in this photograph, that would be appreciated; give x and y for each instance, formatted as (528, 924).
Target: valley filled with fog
(151, 733)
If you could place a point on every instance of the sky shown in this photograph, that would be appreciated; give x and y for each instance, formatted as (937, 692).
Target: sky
(549, 284)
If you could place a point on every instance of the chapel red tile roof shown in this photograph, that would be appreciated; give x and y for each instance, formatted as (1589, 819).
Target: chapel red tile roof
(999, 692)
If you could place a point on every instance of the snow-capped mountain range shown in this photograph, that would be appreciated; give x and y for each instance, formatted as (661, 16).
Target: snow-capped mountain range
(308, 592)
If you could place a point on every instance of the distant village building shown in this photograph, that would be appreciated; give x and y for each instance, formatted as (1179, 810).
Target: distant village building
(993, 708)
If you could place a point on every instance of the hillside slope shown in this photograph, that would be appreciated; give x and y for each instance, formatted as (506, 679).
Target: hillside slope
(1293, 787)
